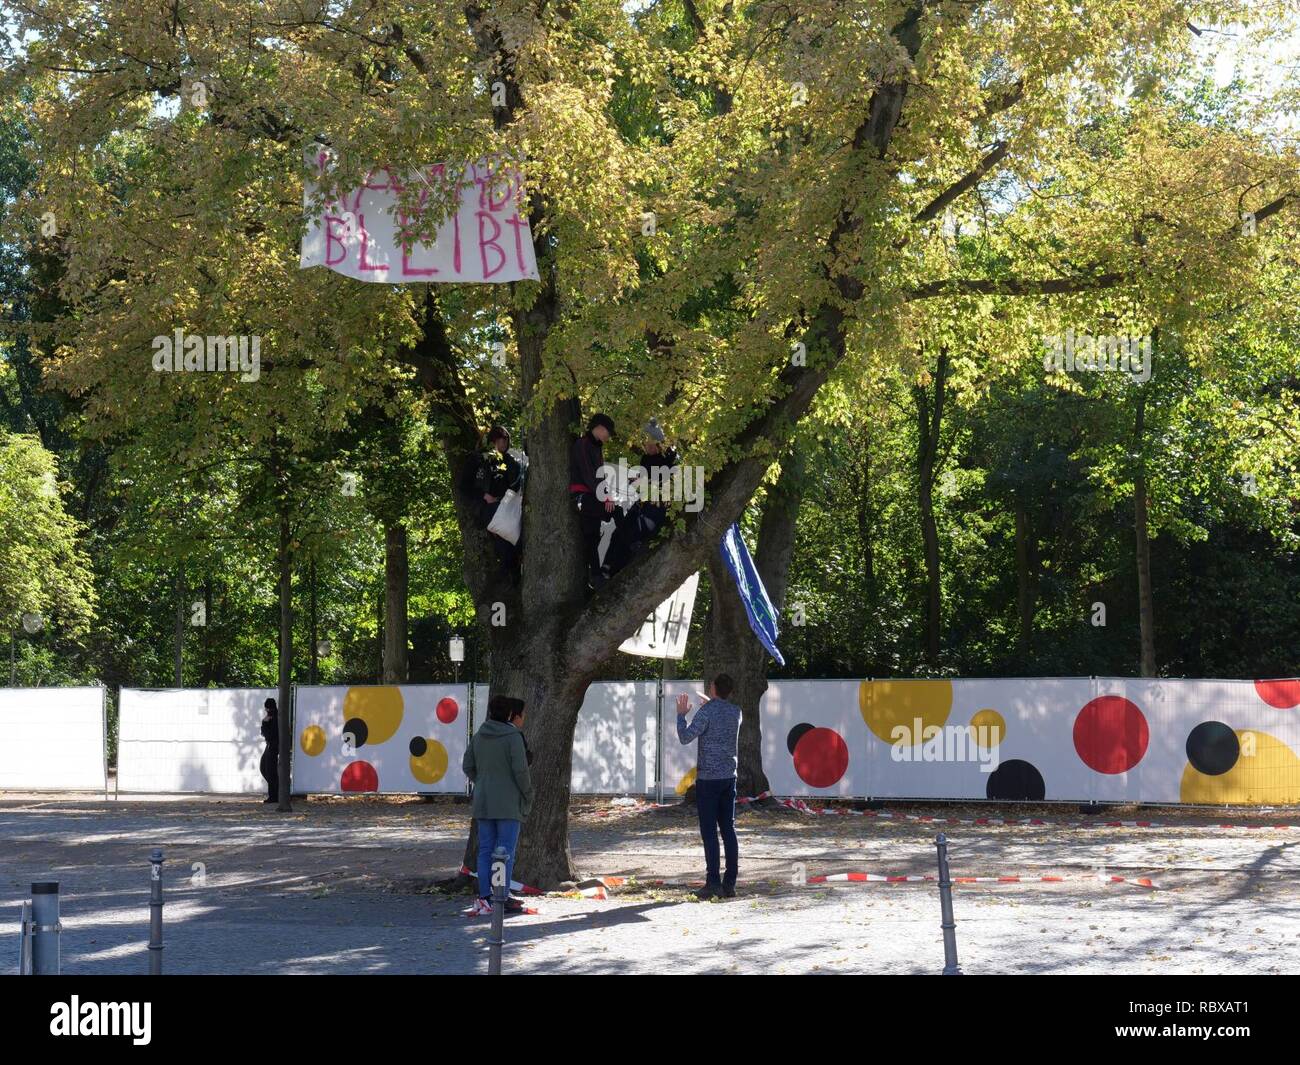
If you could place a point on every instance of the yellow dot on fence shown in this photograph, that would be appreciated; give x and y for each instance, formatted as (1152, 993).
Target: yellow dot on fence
(379, 707)
(431, 766)
(910, 705)
(988, 728)
(1269, 773)
(312, 740)
(684, 785)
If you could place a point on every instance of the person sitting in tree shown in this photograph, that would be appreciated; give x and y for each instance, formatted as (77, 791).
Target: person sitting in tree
(637, 524)
(487, 476)
(651, 511)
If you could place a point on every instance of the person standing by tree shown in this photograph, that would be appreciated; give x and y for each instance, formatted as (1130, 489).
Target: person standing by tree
(717, 726)
(270, 765)
(496, 761)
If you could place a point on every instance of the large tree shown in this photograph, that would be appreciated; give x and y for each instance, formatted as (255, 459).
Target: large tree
(729, 207)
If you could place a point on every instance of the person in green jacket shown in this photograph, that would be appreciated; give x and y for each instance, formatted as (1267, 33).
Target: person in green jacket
(496, 762)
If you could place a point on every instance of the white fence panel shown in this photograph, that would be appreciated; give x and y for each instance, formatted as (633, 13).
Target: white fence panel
(53, 739)
(191, 740)
(390, 738)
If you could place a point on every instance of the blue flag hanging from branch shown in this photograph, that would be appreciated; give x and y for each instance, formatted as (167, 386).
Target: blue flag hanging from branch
(762, 615)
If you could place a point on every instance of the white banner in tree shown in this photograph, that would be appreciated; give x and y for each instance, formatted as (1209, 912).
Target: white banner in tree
(663, 634)
(486, 240)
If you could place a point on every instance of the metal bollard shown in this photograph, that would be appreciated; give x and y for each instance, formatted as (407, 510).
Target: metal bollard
(155, 912)
(45, 928)
(500, 888)
(949, 926)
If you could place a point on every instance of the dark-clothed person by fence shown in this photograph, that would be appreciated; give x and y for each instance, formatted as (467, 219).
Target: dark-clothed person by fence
(716, 726)
(270, 764)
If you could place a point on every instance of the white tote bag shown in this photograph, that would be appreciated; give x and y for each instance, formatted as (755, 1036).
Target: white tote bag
(509, 518)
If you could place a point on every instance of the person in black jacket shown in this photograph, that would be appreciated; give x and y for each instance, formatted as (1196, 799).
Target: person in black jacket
(271, 756)
(486, 478)
(585, 489)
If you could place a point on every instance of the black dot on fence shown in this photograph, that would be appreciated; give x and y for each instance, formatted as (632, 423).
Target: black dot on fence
(1016, 779)
(795, 735)
(356, 728)
(1212, 748)
(418, 746)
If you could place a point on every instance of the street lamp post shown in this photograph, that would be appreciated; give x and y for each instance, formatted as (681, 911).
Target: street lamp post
(323, 649)
(456, 652)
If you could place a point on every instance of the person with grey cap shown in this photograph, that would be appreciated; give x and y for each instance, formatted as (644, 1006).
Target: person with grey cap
(656, 456)
(649, 513)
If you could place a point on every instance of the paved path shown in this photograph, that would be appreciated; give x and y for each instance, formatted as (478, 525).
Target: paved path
(344, 886)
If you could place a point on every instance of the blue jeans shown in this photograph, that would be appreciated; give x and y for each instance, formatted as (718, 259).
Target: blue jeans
(716, 802)
(491, 832)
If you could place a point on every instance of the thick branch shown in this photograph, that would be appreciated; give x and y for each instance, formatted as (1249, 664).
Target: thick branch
(955, 190)
(1015, 286)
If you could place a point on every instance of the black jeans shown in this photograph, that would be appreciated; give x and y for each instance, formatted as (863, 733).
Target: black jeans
(716, 802)
(591, 515)
(270, 767)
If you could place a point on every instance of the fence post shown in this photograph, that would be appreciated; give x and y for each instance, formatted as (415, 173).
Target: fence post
(949, 926)
(659, 733)
(155, 912)
(499, 890)
(45, 928)
(25, 940)
(103, 723)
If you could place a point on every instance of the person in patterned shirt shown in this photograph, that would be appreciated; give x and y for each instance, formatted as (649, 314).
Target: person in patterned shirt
(717, 727)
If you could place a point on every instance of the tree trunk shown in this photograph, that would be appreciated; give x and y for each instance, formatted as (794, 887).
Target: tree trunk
(312, 635)
(730, 645)
(1025, 592)
(929, 419)
(379, 637)
(179, 649)
(209, 671)
(1146, 609)
(396, 573)
(866, 517)
(220, 670)
(285, 560)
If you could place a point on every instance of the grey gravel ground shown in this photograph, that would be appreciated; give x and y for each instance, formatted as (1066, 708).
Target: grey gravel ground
(346, 886)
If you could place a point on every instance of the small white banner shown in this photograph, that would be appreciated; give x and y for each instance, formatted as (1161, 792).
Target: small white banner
(486, 240)
(663, 634)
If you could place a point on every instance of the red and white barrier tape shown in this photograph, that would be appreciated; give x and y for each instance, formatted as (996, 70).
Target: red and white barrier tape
(876, 878)
(888, 815)
(522, 889)
(596, 887)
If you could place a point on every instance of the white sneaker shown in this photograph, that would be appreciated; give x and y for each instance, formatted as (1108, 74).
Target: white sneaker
(481, 908)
